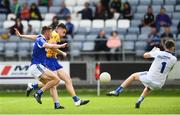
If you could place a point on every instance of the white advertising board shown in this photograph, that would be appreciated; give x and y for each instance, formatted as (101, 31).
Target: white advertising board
(18, 72)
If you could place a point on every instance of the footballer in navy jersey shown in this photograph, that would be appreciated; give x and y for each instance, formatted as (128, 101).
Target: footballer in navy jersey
(39, 53)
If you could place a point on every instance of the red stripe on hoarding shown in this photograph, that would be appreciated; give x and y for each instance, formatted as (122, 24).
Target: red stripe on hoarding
(6, 70)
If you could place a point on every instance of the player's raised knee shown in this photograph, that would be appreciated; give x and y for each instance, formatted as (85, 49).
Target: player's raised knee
(135, 76)
(57, 79)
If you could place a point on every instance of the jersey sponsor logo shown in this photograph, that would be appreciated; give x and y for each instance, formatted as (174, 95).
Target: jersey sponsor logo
(163, 57)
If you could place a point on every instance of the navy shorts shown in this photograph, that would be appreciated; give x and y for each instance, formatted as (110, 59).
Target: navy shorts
(52, 64)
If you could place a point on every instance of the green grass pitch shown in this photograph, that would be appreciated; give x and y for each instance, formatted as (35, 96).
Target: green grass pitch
(159, 102)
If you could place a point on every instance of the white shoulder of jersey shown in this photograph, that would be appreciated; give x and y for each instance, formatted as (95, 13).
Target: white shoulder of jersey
(154, 52)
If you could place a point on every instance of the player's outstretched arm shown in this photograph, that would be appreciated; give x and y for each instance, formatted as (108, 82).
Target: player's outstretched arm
(60, 52)
(31, 37)
(55, 46)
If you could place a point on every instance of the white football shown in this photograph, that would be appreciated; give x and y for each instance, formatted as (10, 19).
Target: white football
(105, 77)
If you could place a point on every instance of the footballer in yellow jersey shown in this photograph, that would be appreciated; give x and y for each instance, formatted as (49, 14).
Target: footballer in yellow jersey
(55, 38)
(51, 61)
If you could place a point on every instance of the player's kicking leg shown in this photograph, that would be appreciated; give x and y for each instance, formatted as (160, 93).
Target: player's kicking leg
(125, 84)
(145, 92)
(42, 73)
(52, 81)
(68, 82)
(54, 95)
(53, 92)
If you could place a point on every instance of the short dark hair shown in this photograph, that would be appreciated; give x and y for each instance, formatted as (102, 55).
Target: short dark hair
(114, 32)
(163, 8)
(45, 28)
(68, 17)
(170, 43)
(61, 25)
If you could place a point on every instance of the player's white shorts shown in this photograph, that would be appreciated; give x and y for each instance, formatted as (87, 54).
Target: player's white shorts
(145, 79)
(37, 70)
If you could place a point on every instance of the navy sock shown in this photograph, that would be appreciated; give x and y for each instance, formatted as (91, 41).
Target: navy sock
(141, 98)
(56, 104)
(40, 92)
(76, 98)
(119, 89)
(35, 86)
